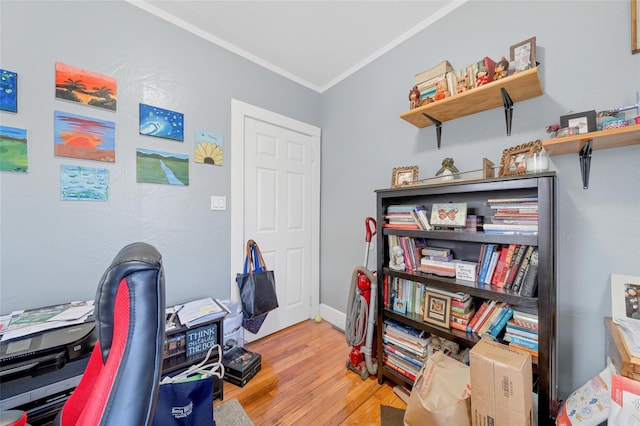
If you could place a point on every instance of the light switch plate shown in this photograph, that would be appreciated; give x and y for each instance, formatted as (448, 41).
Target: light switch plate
(218, 202)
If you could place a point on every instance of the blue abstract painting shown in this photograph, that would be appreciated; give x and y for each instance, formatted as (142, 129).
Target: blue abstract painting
(8, 91)
(162, 123)
(79, 183)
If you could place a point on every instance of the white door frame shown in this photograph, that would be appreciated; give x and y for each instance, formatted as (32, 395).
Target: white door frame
(239, 111)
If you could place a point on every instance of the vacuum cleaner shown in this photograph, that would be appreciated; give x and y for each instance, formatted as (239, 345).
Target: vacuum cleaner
(361, 313)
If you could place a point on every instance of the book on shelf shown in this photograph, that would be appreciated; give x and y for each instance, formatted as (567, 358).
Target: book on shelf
(399, 354)
(508, 227)
(502, 322)
(504, 250)
(398, 369)
(485, 262)
(525, 320)
(533, 353)
(436, 252)
(423, 216)
(515, 265)
(482, 314)
(458, 326)
(441, 69)
(405, 328)
(511, 328)
(517, 281)
(492, 265)
(483, 249)
(503, 269)
(521, 341)
(512, 200)
(479, 312)
(530, 280)
(492, 318)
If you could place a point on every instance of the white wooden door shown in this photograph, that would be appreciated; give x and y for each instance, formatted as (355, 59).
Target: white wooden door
(280, 210)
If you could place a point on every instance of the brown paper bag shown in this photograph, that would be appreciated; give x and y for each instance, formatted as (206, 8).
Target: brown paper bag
(441, 394)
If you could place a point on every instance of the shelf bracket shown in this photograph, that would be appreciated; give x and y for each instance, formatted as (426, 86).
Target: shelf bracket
(585, 162)
(508, 109)
(438, 125)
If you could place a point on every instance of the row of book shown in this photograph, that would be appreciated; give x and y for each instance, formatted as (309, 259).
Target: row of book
(406, 349)
(416, 216)
(522, 333)
(510, 266)
(443, 80)
(513, 216)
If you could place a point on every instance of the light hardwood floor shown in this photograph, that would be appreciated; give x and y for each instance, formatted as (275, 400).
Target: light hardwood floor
(304, 381)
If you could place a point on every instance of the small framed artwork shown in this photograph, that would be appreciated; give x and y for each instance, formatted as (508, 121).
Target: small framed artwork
(625, 298)
(399, 305)
(514, 159)
(8, 91)
(404, 176)
(584, 121)
(449, 214)
(437, 308)
(162, 123)
(523, 54)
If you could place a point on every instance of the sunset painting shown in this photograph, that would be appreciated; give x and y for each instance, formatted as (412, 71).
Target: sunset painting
(86, 87)
(161, 167)
(8, 91)
(162, 123)
(13, 149)
(79, 183)
(84, 137)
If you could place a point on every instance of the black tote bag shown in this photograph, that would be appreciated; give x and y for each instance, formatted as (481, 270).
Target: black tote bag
(257, 285)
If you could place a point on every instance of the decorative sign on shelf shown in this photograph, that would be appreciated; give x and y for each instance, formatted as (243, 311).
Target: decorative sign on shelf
(201, 339)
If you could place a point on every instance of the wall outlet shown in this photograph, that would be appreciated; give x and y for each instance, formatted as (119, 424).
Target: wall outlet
(218, 202)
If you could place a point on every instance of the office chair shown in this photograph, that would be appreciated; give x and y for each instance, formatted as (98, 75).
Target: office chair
(120, 384)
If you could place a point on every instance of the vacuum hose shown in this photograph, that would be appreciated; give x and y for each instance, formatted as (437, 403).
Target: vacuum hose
(361, 317)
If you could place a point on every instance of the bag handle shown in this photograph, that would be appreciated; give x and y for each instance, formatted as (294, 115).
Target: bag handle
(211, 369)
(254, 262)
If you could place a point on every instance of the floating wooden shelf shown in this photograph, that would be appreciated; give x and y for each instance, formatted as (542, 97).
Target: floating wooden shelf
(611, 138)
(584, 143)
(520, 86)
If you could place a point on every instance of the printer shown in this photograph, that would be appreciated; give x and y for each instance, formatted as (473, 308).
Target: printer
(39, 371)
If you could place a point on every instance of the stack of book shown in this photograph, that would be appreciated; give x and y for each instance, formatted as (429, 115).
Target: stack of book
(491, 318)
(513, 216)
(408, 216)
(438, 261)
(509, 266)
(404, 347)
(429, 81)
(522, 332)
(462, 310)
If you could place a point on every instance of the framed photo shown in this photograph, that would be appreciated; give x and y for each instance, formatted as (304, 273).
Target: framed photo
(404, 176)
(523, 54)
(625, 298)
(514, 159)
(584, 121)
(437, 308)
(635, 27)
(449, 214)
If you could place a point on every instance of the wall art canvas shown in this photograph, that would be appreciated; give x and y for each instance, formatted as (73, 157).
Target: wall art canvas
(8, 91)
(161, 167)
(208, 148)
(85, 87)
(161, 123)
(13, 149)
(79, 183)
(89, 138)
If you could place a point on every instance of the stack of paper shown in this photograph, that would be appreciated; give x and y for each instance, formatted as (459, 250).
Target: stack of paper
(200, 311)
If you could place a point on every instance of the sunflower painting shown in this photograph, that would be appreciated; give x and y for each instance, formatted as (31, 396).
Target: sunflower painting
(208, 148)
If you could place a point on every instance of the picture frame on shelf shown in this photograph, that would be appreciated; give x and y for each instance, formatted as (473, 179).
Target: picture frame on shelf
(514, 159)
(584, 121)
(404, 176)
(625, 294)
(449, 214)
(523, 54)
(437, 308)
(635, 27)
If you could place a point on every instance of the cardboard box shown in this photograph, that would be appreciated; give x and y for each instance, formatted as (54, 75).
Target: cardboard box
(501, 385)
(617, 350)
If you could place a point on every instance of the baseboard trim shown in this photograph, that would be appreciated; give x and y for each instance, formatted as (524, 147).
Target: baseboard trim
(333, 316)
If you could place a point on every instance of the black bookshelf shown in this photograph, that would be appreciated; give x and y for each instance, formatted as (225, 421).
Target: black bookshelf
(466, 246)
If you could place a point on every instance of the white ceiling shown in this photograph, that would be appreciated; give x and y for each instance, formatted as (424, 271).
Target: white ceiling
(314, 43)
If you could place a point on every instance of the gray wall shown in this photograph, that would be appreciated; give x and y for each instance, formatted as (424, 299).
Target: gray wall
(586, 63)
(53, 251)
